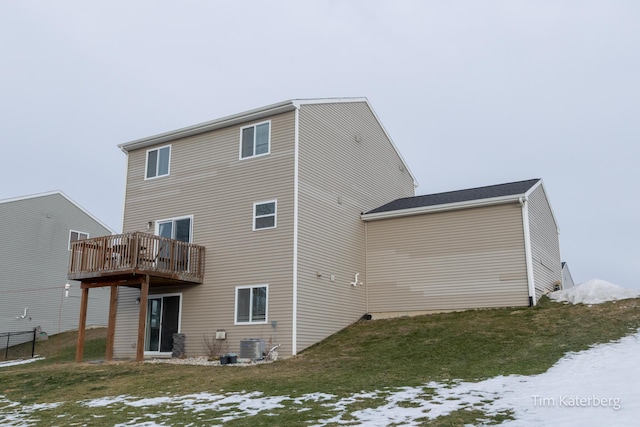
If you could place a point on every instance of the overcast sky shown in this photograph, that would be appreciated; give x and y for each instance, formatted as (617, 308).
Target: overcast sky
(473, 93)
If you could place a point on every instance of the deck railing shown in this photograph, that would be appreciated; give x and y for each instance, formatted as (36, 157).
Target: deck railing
(136, 253)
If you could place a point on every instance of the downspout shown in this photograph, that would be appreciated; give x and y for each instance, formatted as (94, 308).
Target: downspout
(294, 322)
(527, 250)
(366, 266)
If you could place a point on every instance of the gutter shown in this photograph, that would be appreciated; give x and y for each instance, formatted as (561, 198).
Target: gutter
(247, 116)
(441, 208)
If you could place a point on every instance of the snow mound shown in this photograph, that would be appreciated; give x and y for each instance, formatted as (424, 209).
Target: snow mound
(594, 291)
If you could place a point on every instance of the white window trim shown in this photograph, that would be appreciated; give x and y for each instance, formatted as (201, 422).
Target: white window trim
(146, 163)
(254, 125)
(75, 231)
(177, 218)
(275, 215)
(266, 310)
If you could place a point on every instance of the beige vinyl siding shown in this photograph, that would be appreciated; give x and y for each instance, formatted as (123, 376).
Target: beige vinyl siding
(347, 166)
(34, 260)
(126, 323)
(471, 258)
(209, 181)
(545, 246)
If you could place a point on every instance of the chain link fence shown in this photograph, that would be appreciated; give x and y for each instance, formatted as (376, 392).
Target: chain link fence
(15, 345)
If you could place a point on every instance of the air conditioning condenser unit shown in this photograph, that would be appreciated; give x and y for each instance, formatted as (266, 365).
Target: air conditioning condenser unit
(252, 348)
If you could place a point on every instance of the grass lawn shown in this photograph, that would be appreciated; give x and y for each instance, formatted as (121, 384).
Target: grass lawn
(365, 357)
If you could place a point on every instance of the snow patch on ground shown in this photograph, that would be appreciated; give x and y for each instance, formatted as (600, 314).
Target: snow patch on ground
(596, 387)
(19, 362)
(12, 414)
(594, 291)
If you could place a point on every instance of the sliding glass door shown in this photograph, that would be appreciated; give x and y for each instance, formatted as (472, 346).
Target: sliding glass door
(163, 320)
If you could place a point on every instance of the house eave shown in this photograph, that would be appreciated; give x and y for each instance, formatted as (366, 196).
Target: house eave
(247, 116)
(63, 195)
(540, 183)
(513, 198)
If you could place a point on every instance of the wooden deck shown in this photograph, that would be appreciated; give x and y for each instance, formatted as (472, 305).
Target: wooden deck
(138, 260)
(123, 256)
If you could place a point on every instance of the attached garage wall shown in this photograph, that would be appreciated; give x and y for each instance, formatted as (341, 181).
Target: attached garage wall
(471, 258)
(545, 245)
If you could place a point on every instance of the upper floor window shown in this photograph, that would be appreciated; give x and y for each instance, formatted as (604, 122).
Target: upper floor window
(158, 162)
(74, 236)
(264, 215)
(255, 140)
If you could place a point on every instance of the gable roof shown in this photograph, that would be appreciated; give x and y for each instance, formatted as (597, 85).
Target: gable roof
(64, 196)
(234, 119)
(254, 115)
(472, 197)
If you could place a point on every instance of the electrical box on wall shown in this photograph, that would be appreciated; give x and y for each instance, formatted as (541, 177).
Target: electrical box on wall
(221, 334)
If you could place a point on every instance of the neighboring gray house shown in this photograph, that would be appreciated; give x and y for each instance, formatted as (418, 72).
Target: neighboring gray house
(251, 227)
(567, 280)
(34, 258)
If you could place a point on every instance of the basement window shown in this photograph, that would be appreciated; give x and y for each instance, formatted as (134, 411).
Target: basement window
(251, 304)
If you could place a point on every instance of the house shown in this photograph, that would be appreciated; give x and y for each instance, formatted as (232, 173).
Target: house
(567, 279)
(255, 227)
(37, 232)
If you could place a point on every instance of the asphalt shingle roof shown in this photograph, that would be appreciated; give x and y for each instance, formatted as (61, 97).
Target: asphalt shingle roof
(500, 190)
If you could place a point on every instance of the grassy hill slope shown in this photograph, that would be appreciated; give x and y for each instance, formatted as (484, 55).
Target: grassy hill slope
(368, 355)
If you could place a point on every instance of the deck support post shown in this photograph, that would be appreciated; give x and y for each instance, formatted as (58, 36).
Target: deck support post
(144, 294)
(111, 328)
(82, 323)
